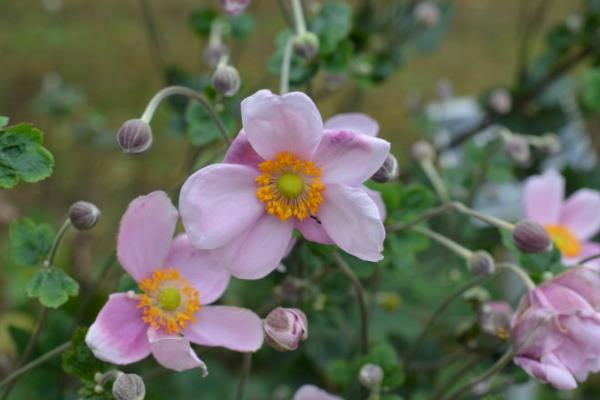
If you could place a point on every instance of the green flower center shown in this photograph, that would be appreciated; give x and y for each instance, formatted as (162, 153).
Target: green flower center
(290, 185)
(169, 299)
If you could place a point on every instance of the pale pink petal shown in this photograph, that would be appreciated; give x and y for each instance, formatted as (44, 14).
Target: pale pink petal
(543, 197)
(353, 122)
(556, 375)
(581, 213)
(241, 152)
(282, 123)
(258, 251)
(199, 268)
(376, 197)
(174, 352)
(313, 230)
(590, 249)
(230, 327)
(218, 203)
(235, 7)
(352, 220)
(118, 335)
(349, 158)
(145, 234)
(311, 392)
(583, 280)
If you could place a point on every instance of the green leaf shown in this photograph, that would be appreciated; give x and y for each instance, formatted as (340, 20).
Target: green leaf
(52, 287)
(22, 156)
(29, 243)
(591, 89)
(3, 121)
(201, 20)
(332, 25)
(201, 127)
(242, 26)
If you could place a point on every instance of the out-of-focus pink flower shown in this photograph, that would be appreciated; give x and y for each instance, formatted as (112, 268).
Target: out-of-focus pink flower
(235, 7)
(178, 282)
(571, 223)
(495, 317)
(556, 329)
(286, 171)
(311, 392)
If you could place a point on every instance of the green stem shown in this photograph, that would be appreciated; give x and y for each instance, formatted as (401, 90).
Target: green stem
(246, 367)
(519, 272)
(436, 180)
(445, 241)
(457, 376)
(299, 21)
(61, 233)
(38, 361)
(497, 222)
(284, 85)
(427, 215)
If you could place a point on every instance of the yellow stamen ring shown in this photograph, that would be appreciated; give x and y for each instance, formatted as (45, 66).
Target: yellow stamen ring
(290, 187)
(564, 239)
(168, 302)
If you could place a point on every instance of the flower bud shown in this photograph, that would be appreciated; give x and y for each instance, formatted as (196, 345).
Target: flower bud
(427, 14)
(285, 328)
(517, 149)
(422, 150)
(481, 263)
(389, 171)
(494, 318)
(306, 45)
(84, 215)
(531, 237)
(129, 387)
(370, 376)
(500, 101)
(214, 52)
(226, 80)
(134, 136)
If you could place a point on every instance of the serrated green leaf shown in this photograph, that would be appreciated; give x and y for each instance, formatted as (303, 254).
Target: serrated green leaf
(29, 243)
(52, 287)
(591, 89)
(332, 25)
(79, 361)
(201, 20)
(201, 127)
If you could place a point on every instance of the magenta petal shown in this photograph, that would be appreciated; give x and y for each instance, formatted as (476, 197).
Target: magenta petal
(353, 122)
(352, 220)
(311, 392)
(174, 352)
(218, 203)
(349, 158)
(543, 197)
(119, 334)
(376, 197)
(557, 376)
(145, 234)
(199, 268)
(581, 213)
(282, 123)
(230, 327)
(313, 230)
(241, 152)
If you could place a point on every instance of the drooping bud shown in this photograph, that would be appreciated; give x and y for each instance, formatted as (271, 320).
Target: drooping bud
(129, 387)
(422, 150)
(531, 237)
(226, 80)
(517, 149)
(370, 376)
(285, 327)
(306, 45)
(427, 14)
(389, 171)
(84, 215)
(481, 263)
(494, 319)
(134, 136)
(500, 101)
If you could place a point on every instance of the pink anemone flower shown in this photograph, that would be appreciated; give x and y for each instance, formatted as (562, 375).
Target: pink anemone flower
(311, 392)
(571, 223)
(235, 7)
(286, 171)
(177, 283)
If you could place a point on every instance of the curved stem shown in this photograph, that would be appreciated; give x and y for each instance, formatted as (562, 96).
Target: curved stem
(299, 21)
(436, 180)
(284, 84)
(184, 91)
(61, 232)
(497, 222)
(427, 215)
(360, 296)
(38, 361)
(443, 240)
(519, 272)
(246, 366)
(472, 362)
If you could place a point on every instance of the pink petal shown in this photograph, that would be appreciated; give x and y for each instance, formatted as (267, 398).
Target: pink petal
(282, 123)
(583, 280)
(349, 158)
(311, 392)
(313, 230)
(556, 375)
(353, 122)
(145, 234)
(376, 197)
(230, 327)
(258, 251)
(199, 268)
(174, 352)
(543, 197)
(581, 213)
(235, 7)
(590, 249)
(352, 220)
(241, 152)
(118, 335)
(218, 203)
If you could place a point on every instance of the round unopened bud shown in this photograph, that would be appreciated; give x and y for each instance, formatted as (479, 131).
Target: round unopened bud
(427, 14)
(226, 80)
(389, 171)
(84, 215)
(306, 45)
(422, 150)
(129, 387)
(134, 136)
(285, 327)
(494, 318)
(370, 376)
(531, 237)
(517, 149)
(500, 101)
(481, 263)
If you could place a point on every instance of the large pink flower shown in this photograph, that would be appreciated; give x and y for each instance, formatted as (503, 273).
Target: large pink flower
(571, 223)
(177, 282)
(556, 330)
(311, 392)
(285, 170)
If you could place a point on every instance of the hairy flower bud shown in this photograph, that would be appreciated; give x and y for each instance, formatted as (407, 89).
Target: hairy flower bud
(134, 136)
(427, 14)
(389, 171)
(84, 215)
(494, 318)
(306, 45)
(422, 150)
(129, 387)
(285, 328)
(517, 149)
(500, 101)
(531, 237)
(481, 263)
(226, 80)
(370, 376)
